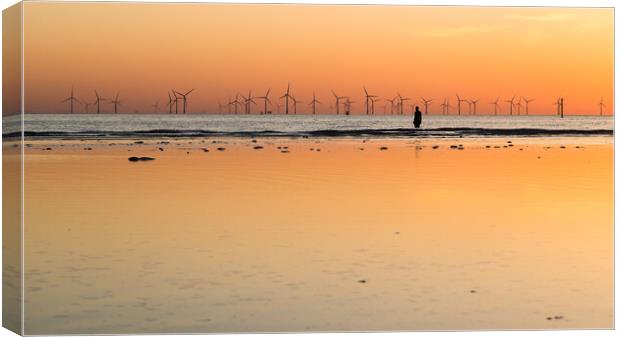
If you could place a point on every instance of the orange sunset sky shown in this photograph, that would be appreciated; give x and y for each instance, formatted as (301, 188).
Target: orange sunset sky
(142, 50)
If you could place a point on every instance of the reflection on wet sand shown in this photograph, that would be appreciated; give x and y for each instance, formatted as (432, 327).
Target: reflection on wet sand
(402, 235)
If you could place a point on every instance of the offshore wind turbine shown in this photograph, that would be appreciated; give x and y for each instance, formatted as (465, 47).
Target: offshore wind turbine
(98, 100)
(295, 102)
(459, 101)
(184, 96)
(116, 103)
(170, 100)
(518, 105)
(401, 102)
(313, 102)
(86, 105)
(372, 104)
(527, 104)
(511, 102)
(368, 98)
(392, 104)
(286, 96)
(236, 103)
(248, 101)
(265, 100)
(473, 103)
(443, 106)
(601, 105)
(338, 98)
(176, 101)
(496, 105)
(427, 102)
(71, 99)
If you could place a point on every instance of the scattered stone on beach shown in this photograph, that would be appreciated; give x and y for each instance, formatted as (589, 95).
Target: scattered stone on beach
(87, 148)
(205, 149)
(284, 151)
(214, 141)
(164, 142)
(285, 147)
(549, 318)
(396, 233)
(279, 147)
(562, 147)
(510, 145)
(435, 147)
(221, 148)
(161, 149)
(311, 149)
(140, 158)
(505, 146)
(472, 291)
(258, 147)
(383, 148)
(187, 152)
(138, 142)
(496, 146)
(558, 317)
(28, 145)
(454, 146)
(318, 150)
(253, 140)
(520, 149)
(509, 142)
(361, 149)
(488, 146)
(48, 149)
(362, 281)
(538, 157)
(579, 147)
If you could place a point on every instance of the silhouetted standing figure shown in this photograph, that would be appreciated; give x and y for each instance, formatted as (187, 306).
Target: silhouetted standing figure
(417, 118)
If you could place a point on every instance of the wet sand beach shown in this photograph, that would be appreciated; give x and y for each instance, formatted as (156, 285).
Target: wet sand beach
(226, 234)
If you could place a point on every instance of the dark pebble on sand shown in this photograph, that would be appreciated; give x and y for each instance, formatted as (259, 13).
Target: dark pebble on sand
(488, 146)
(161, 149)
(396, 233)
(496, 146)
(558, 317)
(215, 141)
(472, 291)
(361, 149)
(258, 147)
(140, 158)
(48, 148)
(253, 140)
(284, 151)
(205, 150)
(138, 142)
(454, 146)
(510, 145)
(383, 148)
(362, 281)
(221, 148)
(435, 146)
(562, 147)
(318, 150)
(549, 318)
(88, 148)
(187, 152)
(509, 142)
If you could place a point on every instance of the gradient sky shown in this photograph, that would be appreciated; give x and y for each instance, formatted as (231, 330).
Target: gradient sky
(142, 50)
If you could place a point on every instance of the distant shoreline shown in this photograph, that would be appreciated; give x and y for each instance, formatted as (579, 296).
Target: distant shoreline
(355, 133)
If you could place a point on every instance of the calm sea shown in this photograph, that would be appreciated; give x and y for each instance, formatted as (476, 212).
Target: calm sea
(81, 123)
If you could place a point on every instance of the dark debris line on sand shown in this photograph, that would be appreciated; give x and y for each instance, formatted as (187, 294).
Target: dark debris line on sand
(134, 159)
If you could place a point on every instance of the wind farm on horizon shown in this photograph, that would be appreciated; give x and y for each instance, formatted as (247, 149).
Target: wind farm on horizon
(177, 103)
